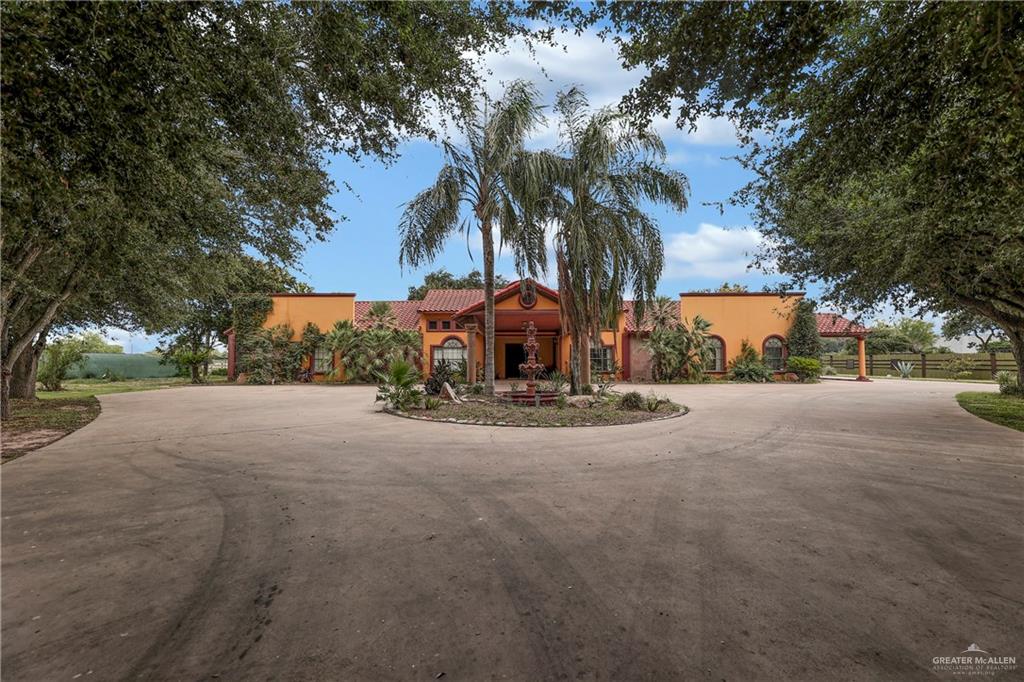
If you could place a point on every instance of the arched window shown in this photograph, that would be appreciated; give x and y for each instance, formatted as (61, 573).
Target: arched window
(452, 350)
(774, 353)
(717, 354)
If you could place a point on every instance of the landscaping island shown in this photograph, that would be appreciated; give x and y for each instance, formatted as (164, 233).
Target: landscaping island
(605, 410)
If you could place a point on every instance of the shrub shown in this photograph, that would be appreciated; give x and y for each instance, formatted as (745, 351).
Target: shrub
(906, 369)
(557, 382)
(444, 372)
(514, 386)
(808, 369)
(653, 402)
(959, 367)
(1008, 384)
(586, 389)
(682, 350)
(432, 402)
(399, 386)
(803, 339)
(561, 402)
(58, 359)
(113, 376)
(747, 366)
(476, 389)
(631, 401)
(828, 371)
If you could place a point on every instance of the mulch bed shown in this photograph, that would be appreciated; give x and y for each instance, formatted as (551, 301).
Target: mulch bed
(484, 413)
(35, 423)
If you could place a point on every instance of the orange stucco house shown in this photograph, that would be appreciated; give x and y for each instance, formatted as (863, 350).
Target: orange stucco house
(450, 322)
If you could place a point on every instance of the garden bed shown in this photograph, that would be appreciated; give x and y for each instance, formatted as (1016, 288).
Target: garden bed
(491, 413)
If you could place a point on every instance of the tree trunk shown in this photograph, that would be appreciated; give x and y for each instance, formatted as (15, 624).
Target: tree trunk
(194, 368)
(584, 359)
(23, 375)
(5, 395)
(488, 245)
(574, 369)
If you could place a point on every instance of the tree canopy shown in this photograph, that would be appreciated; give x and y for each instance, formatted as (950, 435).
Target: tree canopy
(139, 138)
(885, 138)
(442, 279)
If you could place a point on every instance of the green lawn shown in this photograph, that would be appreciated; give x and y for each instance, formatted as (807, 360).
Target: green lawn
(82, 388)
(994, 407)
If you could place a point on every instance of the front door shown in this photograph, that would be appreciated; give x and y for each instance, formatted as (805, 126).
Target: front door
(515, 355)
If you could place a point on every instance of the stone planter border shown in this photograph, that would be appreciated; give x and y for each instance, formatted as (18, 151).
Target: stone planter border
(476, 422)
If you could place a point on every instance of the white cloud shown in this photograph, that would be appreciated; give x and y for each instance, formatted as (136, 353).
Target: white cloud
(711, 251)
(593, 64)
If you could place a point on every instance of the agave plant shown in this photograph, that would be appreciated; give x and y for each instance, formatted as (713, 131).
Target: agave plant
(905, 368)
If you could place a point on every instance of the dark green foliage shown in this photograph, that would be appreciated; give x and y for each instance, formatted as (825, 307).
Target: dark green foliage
(366, 353)
(272, 357)
(140, 140)
(399, 386)
(1008, 384)
(680, 350)
(889, 157)
(803, 339)
(748, 367)
(808, 369)
(444, 372)
(442, 279)
(631, 401)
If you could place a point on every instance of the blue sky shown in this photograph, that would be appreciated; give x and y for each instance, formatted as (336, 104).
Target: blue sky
(703, 247)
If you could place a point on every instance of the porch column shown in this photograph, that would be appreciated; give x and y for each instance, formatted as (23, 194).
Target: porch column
(471, 353)
(862, 359)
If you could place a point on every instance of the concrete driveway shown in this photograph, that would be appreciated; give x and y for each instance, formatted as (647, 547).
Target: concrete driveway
(839, 530)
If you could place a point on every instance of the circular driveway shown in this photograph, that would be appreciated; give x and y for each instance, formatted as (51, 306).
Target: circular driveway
(838, 530)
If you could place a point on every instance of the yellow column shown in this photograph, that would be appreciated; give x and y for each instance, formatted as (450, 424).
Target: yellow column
(471, 353)
(862, 359)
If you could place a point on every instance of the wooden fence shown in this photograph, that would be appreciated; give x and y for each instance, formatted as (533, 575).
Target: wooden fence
(985, 365)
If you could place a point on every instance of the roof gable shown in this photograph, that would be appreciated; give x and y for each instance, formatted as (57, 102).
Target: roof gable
(502, 294)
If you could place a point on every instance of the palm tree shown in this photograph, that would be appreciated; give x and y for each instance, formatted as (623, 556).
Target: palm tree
(604, 169)
(664, 313)
(380, 316)
(499, 182)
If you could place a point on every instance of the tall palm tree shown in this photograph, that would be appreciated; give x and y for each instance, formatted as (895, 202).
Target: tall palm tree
(499, 182)
(603, 170)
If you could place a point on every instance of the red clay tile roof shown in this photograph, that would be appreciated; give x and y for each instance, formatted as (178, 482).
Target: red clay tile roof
(407, 312)
(449, 300)
(833, 324)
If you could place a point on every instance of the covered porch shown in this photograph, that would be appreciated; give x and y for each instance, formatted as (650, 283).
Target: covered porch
(834, 326)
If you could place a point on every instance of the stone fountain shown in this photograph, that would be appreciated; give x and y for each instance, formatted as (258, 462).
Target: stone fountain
(531, 368)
